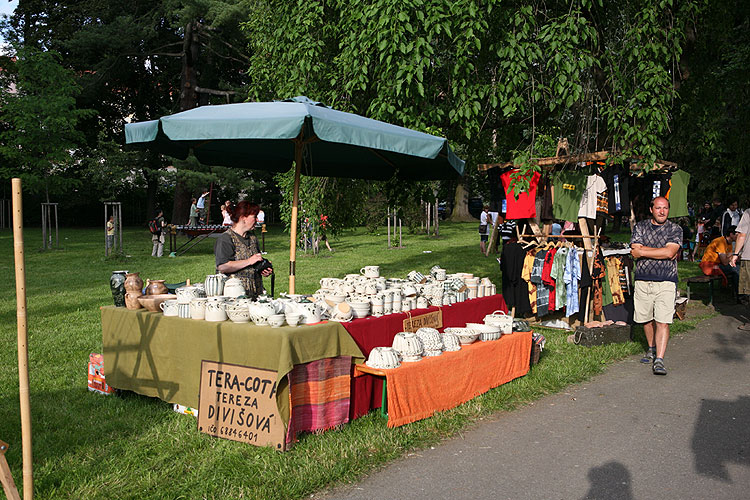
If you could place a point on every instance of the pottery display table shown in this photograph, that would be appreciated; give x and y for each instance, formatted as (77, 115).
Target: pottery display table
(373, 332)
(160, 356)
(417, 390)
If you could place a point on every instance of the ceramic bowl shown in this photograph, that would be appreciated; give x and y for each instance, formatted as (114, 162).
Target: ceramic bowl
(238, 313)
(151, 302)
(384, 358)
(465, 335)
(292, 318)
(276, 320)
(486, 332)
(360, 309)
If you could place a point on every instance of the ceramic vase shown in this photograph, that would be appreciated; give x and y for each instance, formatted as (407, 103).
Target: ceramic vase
(156, 287)
(117, 285)
(133, 290)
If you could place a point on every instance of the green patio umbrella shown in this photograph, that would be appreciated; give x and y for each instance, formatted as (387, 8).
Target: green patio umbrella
(320, 141)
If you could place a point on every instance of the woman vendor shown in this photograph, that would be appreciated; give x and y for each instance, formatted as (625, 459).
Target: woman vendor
(237, 251)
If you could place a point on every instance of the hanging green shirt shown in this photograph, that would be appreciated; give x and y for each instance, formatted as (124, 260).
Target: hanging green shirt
(569, 187)
(677, 194)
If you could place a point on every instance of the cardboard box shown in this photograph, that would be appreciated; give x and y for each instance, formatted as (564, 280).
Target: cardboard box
(96, 375)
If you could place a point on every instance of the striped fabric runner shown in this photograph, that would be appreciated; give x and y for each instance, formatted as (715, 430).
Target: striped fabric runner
(319, 395)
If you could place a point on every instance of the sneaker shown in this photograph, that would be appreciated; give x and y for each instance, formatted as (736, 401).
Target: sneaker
(658, 367)
(649, 357)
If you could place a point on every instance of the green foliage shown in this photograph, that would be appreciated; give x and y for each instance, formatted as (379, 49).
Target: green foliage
(39, 138)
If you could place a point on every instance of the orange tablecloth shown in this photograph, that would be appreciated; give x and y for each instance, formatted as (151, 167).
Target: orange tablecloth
(418, 390)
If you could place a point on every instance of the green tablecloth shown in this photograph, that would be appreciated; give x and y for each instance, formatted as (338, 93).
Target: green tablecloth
(160, 356)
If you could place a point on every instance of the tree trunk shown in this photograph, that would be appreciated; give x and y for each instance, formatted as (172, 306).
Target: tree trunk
(461, 205)
(188, 100)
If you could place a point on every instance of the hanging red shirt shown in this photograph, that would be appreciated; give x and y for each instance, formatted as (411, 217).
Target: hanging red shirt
(522, 206)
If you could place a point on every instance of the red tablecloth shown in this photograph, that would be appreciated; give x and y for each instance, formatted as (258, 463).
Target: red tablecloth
(372, 332)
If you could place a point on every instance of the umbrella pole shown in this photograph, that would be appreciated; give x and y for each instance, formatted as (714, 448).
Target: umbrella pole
(23, 354)
(295, 203)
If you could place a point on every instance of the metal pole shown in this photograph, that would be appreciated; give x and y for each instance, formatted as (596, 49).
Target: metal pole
(119, 224)
(23, 350)
(399, 234)
(44, 229)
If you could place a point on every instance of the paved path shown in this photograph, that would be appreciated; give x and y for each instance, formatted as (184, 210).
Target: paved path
(626, 434)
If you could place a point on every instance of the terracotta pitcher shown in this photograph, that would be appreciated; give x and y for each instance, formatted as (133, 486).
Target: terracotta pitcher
(156, 287)
(133, 289)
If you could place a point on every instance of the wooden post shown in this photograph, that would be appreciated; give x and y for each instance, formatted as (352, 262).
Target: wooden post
(44, 229)
(388, 220)
(119, 225)
(23, 354)
(57, 232)
(106, 250)
(6, 478)
(295, 203)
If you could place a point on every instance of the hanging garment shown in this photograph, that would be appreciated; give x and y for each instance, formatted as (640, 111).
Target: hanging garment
(528, 264)
(545, 194)
(585, 286)
(594, 185)
(677, 195)
(521, 206)
(558, 273)
(515, 290)
(616, 179)
(547, 279)
(569, 187)
(571, 276)
(597, 275)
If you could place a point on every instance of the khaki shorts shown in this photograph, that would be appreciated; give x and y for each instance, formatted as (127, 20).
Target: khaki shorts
(745, 277)
(654, 300)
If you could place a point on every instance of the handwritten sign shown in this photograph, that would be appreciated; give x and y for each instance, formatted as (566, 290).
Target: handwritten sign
(239, 403)
(431, 319)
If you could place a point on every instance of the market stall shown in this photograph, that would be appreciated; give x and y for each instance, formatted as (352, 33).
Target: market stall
(160, 356)
(373, 332)
(418, 390)
(553, 262)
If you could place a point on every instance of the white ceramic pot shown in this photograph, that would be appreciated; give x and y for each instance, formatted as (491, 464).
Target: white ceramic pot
(237, 312)
(451, 342)
(486, 332)
(370, 271)
(431, 339)
(341, 312)
(500, 320)
(276, 320)
(183, 310)
(187, 293)
(409, 290)
(260, 311)
(169, 307)
(214, 284)
(198, 308)
(215, 309)
(422, 303)
(416, 277)
(233, 287)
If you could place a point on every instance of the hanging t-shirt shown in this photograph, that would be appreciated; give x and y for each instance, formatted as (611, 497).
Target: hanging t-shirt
(521, 206)
(616, 179)
(558, 273)
(569, 187)
(545, 197)
(677, 195)
(594, 185)
(658, 185)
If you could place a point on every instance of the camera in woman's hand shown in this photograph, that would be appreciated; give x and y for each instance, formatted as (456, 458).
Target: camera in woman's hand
(262, 265)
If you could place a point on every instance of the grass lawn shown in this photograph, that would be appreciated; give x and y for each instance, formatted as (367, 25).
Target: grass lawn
(128, 446)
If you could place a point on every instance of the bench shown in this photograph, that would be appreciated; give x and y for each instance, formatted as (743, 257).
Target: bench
(703, 279)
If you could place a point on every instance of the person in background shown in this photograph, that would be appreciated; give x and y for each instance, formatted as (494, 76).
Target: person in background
(714, 219)
(193, 212)
(688, 245)
(227, 217)
(110, 233)
(237, 250)
(158, 238)
(717, 257)
(731, 217)
(742, 254)
(201, 205)
(484, 228)
(655, 244)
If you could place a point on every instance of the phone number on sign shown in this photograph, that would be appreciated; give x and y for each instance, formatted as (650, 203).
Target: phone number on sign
(233, 432)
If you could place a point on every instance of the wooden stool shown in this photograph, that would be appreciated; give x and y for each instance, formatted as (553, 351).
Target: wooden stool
(703, 279)
(384, 395)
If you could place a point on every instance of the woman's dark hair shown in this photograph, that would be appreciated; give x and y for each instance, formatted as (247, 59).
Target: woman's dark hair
(193, 200)
(242, 209)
